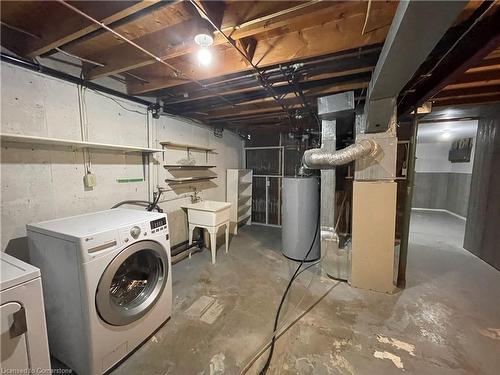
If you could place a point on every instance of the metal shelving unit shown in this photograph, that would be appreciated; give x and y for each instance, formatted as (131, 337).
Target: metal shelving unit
(188, 167)
(188, 146)
(185, 180)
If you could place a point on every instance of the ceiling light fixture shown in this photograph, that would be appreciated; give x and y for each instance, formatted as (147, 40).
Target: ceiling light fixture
(204, 39)
(446, 135)
(204, 56)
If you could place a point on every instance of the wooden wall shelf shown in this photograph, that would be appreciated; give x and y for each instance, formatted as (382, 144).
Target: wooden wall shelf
(187, 146)
(17, 138)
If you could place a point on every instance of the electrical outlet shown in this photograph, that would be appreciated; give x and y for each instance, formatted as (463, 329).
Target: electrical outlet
(89, 180)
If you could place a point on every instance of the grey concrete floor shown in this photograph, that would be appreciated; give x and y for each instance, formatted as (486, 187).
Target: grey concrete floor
(447, 320)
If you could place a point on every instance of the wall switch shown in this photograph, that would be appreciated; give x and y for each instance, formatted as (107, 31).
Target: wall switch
(89, 180)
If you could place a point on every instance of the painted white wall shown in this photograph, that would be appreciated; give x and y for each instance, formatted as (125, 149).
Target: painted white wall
(46, 182)
(432, 157)
(432, 132)
(434, 142)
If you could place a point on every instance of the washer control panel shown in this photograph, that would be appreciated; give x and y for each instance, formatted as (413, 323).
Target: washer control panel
(144, 230)
(158, 225)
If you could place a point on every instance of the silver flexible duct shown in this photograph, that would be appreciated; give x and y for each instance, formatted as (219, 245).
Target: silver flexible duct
(318, 158)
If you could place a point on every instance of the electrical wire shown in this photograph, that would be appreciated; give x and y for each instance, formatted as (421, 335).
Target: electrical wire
(82, 111)
(86, 126)
(286, 327)
(296, 274)
(368, 8)
(276, 319)
(118, 103)
(262, 348)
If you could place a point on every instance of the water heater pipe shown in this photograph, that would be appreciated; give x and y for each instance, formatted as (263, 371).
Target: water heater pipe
(318, 158)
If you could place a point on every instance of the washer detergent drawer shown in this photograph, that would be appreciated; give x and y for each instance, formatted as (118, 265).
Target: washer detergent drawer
(13, 341)
(100, 244)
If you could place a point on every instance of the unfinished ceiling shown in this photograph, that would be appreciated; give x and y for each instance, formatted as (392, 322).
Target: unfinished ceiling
(271, 59)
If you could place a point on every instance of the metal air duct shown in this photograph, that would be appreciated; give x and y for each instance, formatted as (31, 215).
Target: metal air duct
(321, 158)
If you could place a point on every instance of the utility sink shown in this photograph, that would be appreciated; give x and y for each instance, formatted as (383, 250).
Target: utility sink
(208, 213)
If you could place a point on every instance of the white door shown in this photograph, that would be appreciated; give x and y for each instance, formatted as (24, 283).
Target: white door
(14, 349)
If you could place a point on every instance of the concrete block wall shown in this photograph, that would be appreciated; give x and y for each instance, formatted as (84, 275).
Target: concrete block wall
(46, 182)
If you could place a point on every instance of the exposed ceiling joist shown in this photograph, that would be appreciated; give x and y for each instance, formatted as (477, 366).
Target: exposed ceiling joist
(343, 32)
(211, 10)
(167, 43)
(68, 27)
(331, 66)
(473, 99)
(265, 108)
(357, 79)
(477, 78)
(472, 91)
(480, 38)
(175, 41)
(311, 89)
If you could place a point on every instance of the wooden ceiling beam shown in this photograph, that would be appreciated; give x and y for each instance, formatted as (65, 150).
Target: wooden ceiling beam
(474, 99)
(213, 9)
(470, 49)
(275, 115)
(339, 67)
(342, 30)
(476, 79)
(311, 90)
(310, 94)
(478, 76)
(161, 41)
(167, 43)
(472, 91)
(486, 64)
(308, 80)
(66, 26)
(253, 109)
(247, 46)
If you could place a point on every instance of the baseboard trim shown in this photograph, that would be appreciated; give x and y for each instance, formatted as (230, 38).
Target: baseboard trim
(439, 210)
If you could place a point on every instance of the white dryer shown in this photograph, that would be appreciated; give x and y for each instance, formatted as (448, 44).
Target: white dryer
(107, 284)
(23, 344)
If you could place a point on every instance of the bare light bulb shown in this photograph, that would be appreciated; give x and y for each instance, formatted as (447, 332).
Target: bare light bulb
(204, 57)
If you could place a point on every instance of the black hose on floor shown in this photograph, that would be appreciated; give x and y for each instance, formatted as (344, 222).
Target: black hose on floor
(276, 319)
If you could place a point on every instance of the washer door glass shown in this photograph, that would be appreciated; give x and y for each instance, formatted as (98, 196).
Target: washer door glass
(132, 283)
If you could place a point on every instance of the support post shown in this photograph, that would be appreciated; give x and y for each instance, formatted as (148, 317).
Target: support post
(403, 248)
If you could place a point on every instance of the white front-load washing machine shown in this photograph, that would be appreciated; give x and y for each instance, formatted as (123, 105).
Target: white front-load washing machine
(106, 281)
